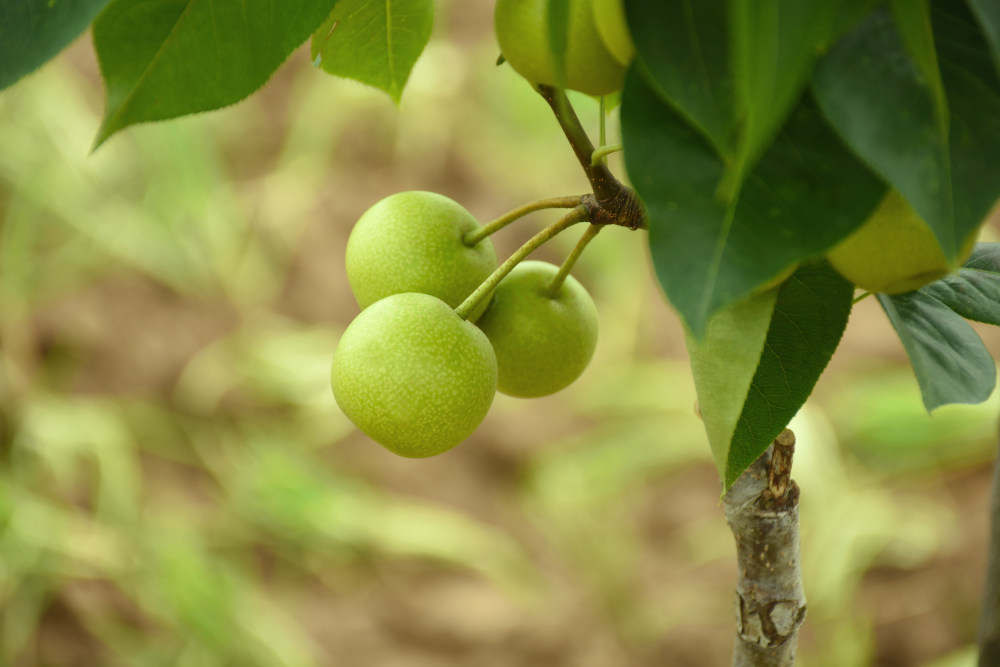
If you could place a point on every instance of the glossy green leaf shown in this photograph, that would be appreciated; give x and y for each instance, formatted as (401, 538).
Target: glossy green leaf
(950, 361)
(913, 22)
(882, 91)
(974, 290)
(166, 58)
(734, 68)
(682, 47)
(723, 364)
(376, 43)
(805, 194)
(987, 12)
(808, 322)
(32, 31)
(774, 47)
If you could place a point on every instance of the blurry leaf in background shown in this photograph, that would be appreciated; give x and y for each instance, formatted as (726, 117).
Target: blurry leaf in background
(61, 433)
(166, 58)
(882, 90)
(32, 31)
(375, 43)
(218, 606)
(882, 422)
(284, 493)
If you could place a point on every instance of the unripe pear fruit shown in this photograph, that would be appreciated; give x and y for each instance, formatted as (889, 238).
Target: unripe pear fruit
(414, 242)
(894, 251)
(413, 375)
(543, 342)
(609, 17)
(523, 33)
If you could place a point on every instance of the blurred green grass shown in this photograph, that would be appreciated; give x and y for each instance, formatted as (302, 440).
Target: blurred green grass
(177, 486)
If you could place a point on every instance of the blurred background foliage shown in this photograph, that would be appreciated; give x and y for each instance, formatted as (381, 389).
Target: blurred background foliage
(177, 486)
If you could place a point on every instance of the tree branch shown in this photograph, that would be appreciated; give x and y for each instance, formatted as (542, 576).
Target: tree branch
(762, 509)
(613, 203)
(989, 621)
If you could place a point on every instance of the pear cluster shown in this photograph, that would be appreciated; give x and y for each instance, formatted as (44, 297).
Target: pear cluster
(411, 372)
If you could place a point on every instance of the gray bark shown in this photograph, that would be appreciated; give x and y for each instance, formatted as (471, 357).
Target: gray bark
(762, 509)
(989, 621)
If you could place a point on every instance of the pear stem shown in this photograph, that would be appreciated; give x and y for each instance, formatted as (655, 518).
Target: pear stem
(861, 297)
(476, 235)
(578, 214)
(567, 266)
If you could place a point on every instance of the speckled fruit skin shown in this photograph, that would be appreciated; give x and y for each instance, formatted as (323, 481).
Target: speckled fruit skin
(413, 375)
(542, 343)
(412, 242)
(894, 251)
(609, 17)
(522, 31)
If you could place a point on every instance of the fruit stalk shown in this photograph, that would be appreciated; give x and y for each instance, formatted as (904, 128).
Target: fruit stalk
(578, 214)
(475, 236)
(567, 265)
(762, 509)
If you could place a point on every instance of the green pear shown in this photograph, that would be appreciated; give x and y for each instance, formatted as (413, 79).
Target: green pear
(543, 341)
(894, 251)
(413, 242)
(413, 375)
(609, 17)
(523, 33)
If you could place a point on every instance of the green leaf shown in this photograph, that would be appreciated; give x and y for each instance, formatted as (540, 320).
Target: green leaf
(808, 322)
(760, 359)
(988, 14)
(166, 58)
(882, 91)
(32, 31)
(723, 364)
(974, 290)
(774, 47)
(734, 68)
(804, 195)
(950, 361)
(376, 43)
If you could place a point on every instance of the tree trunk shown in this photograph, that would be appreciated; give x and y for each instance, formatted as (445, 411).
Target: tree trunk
(762, 509)
(989, 621)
